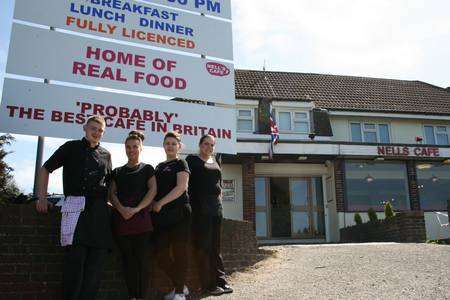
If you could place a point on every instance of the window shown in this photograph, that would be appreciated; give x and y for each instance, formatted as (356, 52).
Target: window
(289, 121)
(370, 133)
(245, 121)
(433, 183)
(436, 135)
(370, 184)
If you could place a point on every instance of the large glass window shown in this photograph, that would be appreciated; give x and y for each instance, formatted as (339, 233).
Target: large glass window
(372, 184)
(370, 133)
(433, 182)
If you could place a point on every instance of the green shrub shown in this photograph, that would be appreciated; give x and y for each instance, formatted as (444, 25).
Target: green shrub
(372, 215)
(357, 218)
(388, 210)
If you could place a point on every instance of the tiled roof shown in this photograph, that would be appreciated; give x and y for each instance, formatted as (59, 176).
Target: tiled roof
(337, 92)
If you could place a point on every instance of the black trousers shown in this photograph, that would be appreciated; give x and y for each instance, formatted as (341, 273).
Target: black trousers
(83, 268)
(206, 232)
(135, 250)
(172, 251)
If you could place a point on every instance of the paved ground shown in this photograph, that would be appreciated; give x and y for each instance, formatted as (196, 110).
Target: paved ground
(353, 271)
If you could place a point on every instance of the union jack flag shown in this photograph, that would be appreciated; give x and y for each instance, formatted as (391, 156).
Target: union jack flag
(273, 133)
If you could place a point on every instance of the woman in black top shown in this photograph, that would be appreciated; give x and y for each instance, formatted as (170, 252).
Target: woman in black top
(171, 216)
(132, 190)
(205, 192)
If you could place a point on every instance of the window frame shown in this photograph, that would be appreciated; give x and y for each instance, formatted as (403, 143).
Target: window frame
(293, 120)
(251, 118)
(435, 134)
(376, 130)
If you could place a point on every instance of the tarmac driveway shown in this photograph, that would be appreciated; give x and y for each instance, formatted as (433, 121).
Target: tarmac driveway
(347, 271)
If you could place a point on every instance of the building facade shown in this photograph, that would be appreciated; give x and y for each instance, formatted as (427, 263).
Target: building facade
(346, 144)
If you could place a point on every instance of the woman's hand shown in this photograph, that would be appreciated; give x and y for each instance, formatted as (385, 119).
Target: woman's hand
(128, 212)
(157, 206)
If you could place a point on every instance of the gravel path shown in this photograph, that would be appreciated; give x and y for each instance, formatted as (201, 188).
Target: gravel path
(347, 271)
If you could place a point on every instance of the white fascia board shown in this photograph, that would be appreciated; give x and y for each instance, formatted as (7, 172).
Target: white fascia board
(300, 149)
(283, 137)
(322, 149)
(389, 115)
(247, 102)
(293, 104)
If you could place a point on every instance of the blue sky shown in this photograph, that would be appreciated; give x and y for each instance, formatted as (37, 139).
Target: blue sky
(402, 39)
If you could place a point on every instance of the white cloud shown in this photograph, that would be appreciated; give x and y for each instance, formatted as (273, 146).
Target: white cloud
(408, 39)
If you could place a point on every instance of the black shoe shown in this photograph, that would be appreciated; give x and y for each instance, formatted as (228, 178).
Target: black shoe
(216, 291)
(226, 289)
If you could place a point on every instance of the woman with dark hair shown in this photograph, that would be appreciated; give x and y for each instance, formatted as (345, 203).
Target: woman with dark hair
(205, 192)
(172, 216)
(132, 190)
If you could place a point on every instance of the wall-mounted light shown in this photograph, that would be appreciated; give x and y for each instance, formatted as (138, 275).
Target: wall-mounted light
(265, 157)
(379, 158)
(434, 178)
(302, 158)
(446, 161)
(424, 166)
(369, 179)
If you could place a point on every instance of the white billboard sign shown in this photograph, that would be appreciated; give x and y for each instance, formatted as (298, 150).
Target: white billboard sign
(135, 22)
(218, 8)
(59, 56)
(57, 111)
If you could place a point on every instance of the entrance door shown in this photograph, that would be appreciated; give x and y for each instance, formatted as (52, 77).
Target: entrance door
(280, 207)
(289, 207)
(307, 209)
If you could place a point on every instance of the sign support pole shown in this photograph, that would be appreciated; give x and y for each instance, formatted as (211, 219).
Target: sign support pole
(39, 158)
(39, 154)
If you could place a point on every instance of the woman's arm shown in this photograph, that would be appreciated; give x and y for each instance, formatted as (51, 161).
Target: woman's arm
(124, 211)
(177, 191)
(149, 196)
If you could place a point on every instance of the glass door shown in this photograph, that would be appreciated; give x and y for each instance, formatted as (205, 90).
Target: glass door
(300, 207)
(307, 211)
(261, 193)
(280, 208)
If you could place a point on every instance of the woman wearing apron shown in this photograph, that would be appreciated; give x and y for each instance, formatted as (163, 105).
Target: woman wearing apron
(132, 190)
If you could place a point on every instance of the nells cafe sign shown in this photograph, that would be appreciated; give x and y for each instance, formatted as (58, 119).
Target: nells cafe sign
(408, 151)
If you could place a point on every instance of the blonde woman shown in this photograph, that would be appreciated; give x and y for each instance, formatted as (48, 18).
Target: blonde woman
(172, 216)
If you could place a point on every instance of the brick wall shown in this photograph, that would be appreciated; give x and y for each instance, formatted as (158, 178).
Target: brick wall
(407, 227)
(339, 177)
(31, 260)
(412, 184)
(248, 188)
